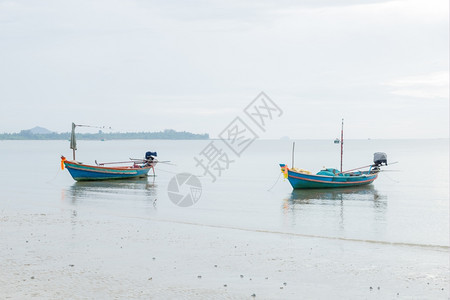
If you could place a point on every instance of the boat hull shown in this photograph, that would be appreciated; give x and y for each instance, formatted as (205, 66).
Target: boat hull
(309, 181)
(82, 172)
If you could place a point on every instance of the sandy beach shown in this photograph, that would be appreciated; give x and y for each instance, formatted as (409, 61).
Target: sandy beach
(64, 255)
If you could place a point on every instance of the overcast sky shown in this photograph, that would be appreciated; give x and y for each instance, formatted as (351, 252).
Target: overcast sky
(195, 65)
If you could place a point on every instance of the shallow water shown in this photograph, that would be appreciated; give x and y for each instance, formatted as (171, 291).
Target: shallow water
(406, 207)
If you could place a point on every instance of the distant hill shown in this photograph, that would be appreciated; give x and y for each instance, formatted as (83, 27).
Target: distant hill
(39, 130)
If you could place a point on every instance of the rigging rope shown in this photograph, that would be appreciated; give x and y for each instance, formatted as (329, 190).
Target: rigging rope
(99, 127)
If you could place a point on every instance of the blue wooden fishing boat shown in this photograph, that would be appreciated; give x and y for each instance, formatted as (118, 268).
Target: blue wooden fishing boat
(333, 178)
(136, 168)
(83, 172)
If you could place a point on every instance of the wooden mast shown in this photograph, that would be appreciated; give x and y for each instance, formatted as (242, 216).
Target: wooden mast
(293, 149)
(342, 142)
(73, 140)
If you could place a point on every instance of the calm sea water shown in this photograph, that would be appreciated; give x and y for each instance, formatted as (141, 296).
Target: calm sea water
(248, 234)
(409, 204)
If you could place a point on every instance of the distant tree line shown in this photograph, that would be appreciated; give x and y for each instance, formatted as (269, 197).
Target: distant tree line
(167, 134)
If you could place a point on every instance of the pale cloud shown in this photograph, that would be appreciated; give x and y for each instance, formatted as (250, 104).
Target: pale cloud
(432, 85)
(195, 111)
(390, 10)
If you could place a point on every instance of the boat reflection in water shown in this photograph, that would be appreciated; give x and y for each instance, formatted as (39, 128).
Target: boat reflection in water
(128, 192)
(325, 207)
(358, 193)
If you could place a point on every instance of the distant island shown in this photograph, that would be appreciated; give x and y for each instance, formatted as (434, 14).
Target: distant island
(39, 133)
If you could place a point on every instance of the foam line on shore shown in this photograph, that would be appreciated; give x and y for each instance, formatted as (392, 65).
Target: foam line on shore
(433, 247)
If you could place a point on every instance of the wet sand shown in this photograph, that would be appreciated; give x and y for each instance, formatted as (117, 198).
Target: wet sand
(64, 254)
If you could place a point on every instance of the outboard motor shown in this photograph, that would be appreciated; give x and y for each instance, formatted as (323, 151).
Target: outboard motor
(150, 155)
(380, 158)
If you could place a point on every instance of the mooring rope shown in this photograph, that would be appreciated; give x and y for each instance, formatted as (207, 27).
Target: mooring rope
(275, 182)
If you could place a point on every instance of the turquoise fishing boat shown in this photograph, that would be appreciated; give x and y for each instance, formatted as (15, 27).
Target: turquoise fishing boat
(333, 178)
(328, 178)
(134, 168)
